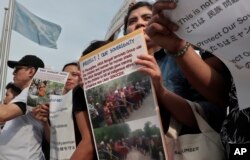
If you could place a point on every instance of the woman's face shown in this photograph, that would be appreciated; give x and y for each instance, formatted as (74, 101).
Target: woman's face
(73, 79)
(139, 18)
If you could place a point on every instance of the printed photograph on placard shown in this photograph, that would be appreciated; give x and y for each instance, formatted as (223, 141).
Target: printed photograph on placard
(121, 100)
(130, 140)
(40, 90)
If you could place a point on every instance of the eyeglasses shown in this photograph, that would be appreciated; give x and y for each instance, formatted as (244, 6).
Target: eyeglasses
(17, 68)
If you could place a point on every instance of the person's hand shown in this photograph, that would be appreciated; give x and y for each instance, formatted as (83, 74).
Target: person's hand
(150, 67)
(161, 29)
(41, 112)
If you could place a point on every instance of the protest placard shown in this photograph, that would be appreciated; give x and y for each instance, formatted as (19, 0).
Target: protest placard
(221, 27)
(121, 101)
(44, 83)
(62, 135)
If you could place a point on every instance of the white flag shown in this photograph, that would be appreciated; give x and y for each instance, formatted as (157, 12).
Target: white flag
(43, 32)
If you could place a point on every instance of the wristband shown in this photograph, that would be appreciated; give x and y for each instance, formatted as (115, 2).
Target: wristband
(180, 52)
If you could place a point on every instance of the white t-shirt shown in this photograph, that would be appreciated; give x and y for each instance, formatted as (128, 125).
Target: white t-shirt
(21, 137)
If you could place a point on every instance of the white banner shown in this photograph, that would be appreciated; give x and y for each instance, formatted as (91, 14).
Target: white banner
(221, 27)
(62, 136)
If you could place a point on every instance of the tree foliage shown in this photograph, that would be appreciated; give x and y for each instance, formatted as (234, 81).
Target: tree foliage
(120, 131)
(113, 132)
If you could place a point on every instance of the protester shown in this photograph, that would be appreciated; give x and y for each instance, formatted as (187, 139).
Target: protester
(21, 136)
(11, 92)
(81, 121)
(83, 135)
(172, 88)
(211, 78)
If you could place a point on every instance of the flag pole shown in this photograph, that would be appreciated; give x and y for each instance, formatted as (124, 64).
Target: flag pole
(3, 37)
(6, 45)
(2, 52)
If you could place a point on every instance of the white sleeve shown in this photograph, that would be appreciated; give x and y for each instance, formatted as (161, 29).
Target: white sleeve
(22, 97)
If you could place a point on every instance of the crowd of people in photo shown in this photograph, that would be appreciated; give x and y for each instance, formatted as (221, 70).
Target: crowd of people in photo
(119, 149)
(181, 74)
(117, 104)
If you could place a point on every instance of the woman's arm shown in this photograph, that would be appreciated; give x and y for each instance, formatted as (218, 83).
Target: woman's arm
(206, 75)
(85, 149)
(176, 105)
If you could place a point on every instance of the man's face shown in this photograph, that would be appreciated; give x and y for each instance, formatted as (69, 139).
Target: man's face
(139, 18)
(21, 76)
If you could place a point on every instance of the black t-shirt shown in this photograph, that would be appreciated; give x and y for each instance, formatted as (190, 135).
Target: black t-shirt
(235, 131)
(79, 105)
(22, 106)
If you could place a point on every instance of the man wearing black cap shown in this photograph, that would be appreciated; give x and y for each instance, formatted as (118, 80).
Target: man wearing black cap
(21, 136)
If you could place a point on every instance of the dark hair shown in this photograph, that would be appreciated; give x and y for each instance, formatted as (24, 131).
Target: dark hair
(134, 7)
(70, 64)
(14, 89)
(94, 45)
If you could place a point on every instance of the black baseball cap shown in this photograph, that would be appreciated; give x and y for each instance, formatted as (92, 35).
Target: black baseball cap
(29, 61)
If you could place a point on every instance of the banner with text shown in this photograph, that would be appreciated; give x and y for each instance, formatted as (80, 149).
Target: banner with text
(62, 135)
(223, 28)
